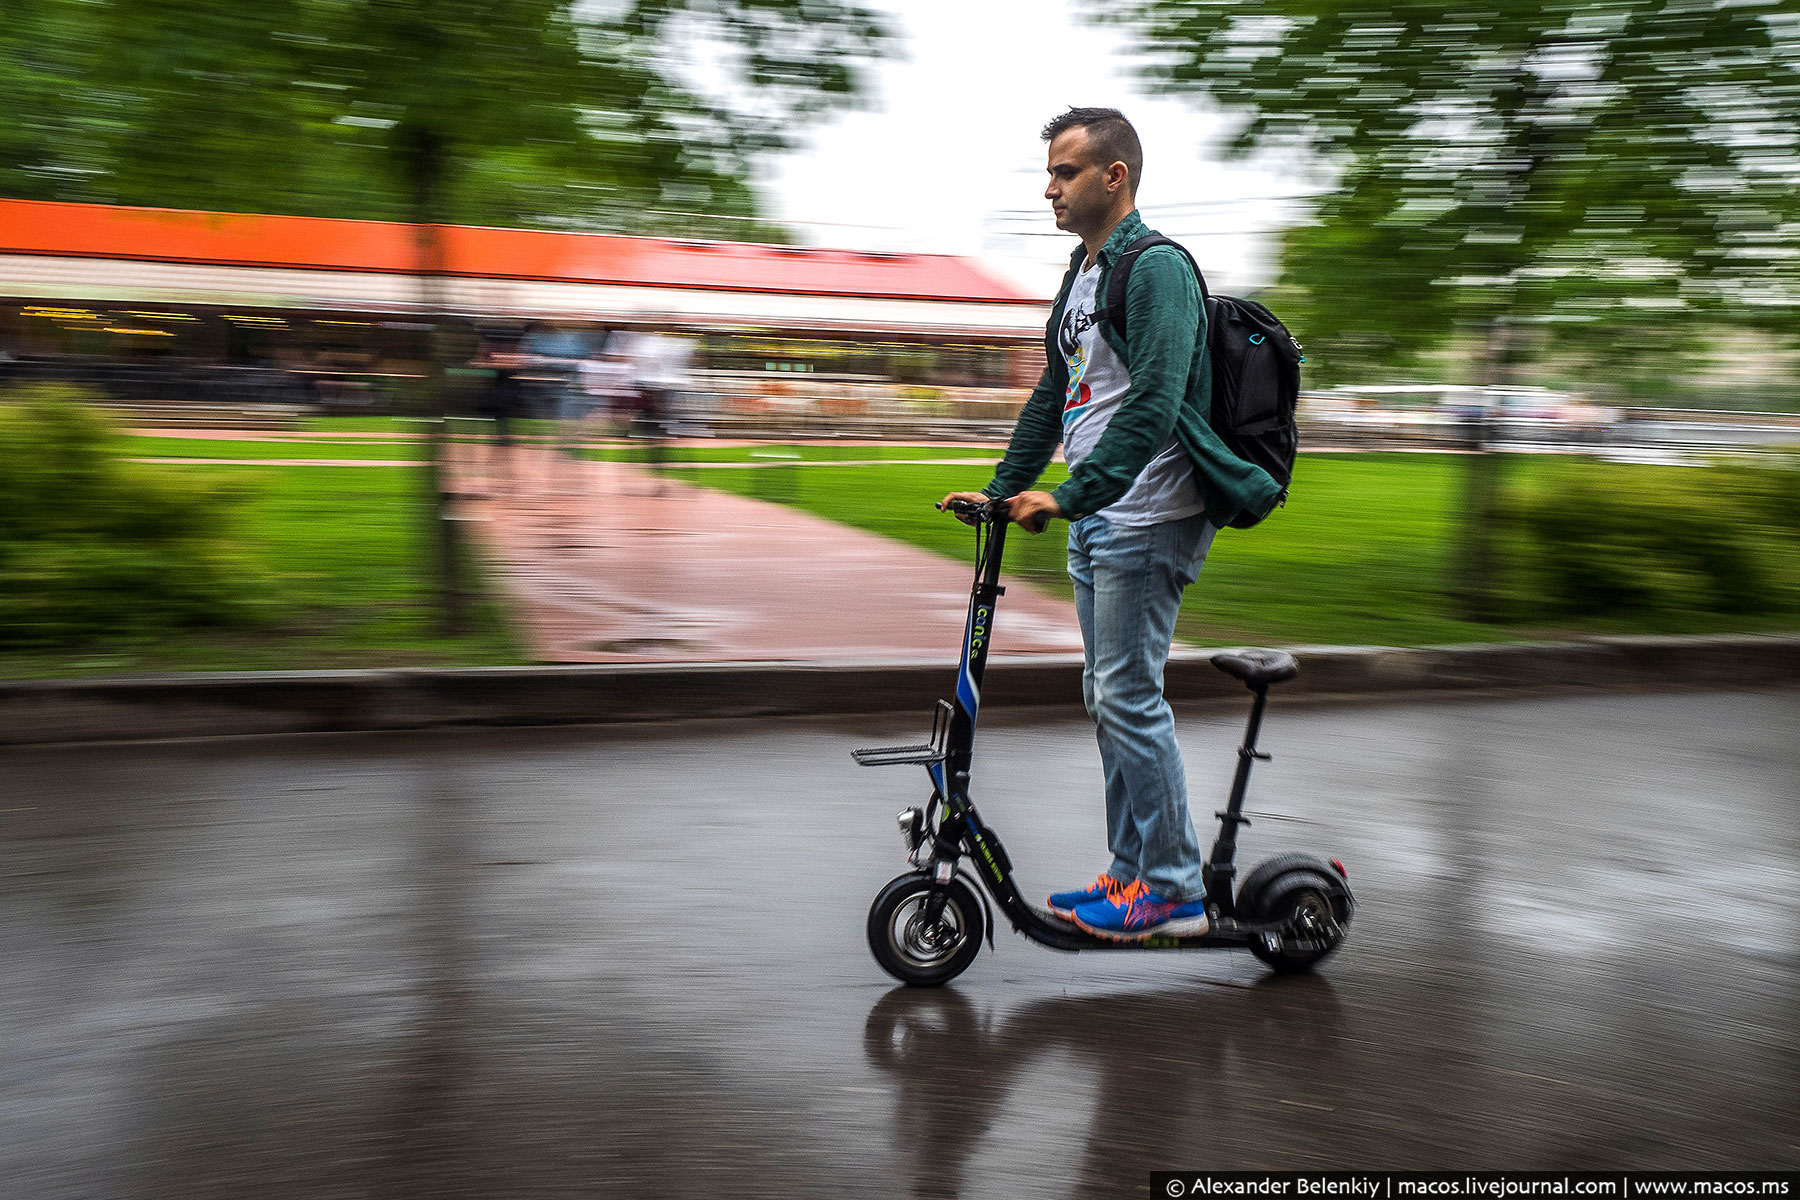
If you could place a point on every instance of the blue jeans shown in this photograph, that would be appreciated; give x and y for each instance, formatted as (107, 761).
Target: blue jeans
(1128, 585)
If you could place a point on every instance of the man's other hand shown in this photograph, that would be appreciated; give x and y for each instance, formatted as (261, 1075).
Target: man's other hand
(1031, 511)
(965, 497)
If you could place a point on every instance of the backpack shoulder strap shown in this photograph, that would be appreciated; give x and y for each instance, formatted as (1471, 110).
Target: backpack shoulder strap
(1114, 312)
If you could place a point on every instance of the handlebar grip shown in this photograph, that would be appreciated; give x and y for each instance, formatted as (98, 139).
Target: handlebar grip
(968, 508)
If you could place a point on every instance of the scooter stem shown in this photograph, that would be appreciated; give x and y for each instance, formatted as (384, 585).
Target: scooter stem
(978, 633)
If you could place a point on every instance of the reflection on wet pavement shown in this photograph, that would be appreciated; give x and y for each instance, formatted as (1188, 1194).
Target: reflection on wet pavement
(631, 962)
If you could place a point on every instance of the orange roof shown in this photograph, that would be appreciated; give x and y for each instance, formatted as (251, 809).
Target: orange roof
(324, 244)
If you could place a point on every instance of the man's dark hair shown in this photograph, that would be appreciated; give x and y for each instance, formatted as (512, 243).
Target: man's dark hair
(1111, 138)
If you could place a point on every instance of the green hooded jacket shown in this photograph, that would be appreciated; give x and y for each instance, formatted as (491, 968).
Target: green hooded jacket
(1170, 392)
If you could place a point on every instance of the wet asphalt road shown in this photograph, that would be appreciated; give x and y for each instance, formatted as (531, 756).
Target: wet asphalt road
(631, 963)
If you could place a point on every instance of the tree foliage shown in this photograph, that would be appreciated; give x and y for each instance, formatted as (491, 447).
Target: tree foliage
(541, 112)
(1538, 164)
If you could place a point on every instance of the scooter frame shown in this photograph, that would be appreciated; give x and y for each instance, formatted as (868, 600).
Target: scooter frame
(949, 828)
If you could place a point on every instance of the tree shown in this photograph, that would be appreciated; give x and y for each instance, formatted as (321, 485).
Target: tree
(556, 114)
(1521, 172)
(519, 112)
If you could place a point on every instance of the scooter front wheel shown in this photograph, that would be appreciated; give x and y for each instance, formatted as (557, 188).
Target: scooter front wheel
(915, 948)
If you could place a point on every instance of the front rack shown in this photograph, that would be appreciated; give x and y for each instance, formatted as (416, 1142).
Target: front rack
(930, 752)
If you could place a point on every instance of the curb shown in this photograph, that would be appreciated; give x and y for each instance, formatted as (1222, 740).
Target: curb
(279, 702)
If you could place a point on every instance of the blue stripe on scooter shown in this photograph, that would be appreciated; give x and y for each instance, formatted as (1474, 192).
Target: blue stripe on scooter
(966, 693)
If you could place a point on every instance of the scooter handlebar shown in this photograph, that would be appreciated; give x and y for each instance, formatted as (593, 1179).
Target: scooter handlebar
(988, 511)
(993, 512)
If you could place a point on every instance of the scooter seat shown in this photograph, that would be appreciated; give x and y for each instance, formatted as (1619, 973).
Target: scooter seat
(1258, 668)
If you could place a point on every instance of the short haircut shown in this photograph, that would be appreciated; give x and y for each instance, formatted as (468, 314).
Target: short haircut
(1111, 138)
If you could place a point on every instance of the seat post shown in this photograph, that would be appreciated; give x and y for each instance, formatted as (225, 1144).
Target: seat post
(1221, 869)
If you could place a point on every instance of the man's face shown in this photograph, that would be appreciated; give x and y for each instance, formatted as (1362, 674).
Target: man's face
(1077, 190)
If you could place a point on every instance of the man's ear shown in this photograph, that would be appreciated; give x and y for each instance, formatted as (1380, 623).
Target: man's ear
(1118, 175)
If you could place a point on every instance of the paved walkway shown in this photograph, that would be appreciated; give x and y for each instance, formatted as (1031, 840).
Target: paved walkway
(605, 562)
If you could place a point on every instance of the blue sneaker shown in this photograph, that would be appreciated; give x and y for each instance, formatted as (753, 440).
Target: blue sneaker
(1064, 904)
(1136, 912)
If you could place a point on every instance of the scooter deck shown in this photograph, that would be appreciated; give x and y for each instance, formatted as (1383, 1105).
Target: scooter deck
(1048, 929)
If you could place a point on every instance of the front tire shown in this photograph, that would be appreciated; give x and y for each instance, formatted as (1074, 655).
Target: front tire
(919, 951)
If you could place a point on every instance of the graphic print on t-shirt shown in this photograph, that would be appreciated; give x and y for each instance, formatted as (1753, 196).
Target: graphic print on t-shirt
(1079, 392)
(1075, 323)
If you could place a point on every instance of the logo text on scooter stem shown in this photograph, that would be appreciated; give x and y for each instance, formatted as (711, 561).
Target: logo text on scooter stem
(979, 634)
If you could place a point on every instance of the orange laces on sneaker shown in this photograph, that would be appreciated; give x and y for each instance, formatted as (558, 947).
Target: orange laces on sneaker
(1129, 894)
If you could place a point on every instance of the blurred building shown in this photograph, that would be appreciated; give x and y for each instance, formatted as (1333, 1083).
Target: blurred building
(171, 308)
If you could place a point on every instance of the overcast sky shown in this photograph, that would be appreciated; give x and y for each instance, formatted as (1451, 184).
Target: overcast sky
(946, 157)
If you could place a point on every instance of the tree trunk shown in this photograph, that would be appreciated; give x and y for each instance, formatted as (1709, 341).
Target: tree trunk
(1522, 106)
(1476, 595)
(424, 153)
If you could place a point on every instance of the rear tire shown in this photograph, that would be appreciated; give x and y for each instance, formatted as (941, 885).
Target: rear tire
(920, 952)
(1315, 933)
(1308, 899)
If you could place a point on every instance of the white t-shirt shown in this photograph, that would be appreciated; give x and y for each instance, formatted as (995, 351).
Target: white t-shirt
(1166, 489)
(662, 360)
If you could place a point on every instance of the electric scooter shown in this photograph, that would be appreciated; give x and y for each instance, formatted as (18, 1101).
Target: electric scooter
(926, 926)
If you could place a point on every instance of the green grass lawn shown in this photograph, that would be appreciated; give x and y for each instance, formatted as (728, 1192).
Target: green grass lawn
(1362, 553)
(346, 570)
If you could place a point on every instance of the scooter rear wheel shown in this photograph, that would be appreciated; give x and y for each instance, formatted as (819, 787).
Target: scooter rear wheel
(1310, 931)
(915, 949)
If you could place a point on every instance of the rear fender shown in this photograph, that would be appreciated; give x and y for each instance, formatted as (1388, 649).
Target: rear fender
(1285, 873)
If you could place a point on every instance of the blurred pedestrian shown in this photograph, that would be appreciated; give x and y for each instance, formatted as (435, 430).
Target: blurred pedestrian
(502, 397)
(605, 380)
(556, 356)
(660, 366)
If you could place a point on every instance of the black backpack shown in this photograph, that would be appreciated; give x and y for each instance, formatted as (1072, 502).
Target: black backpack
(1255, 365)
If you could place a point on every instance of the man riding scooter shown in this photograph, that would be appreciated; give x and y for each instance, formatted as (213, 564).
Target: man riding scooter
(1150, 484)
